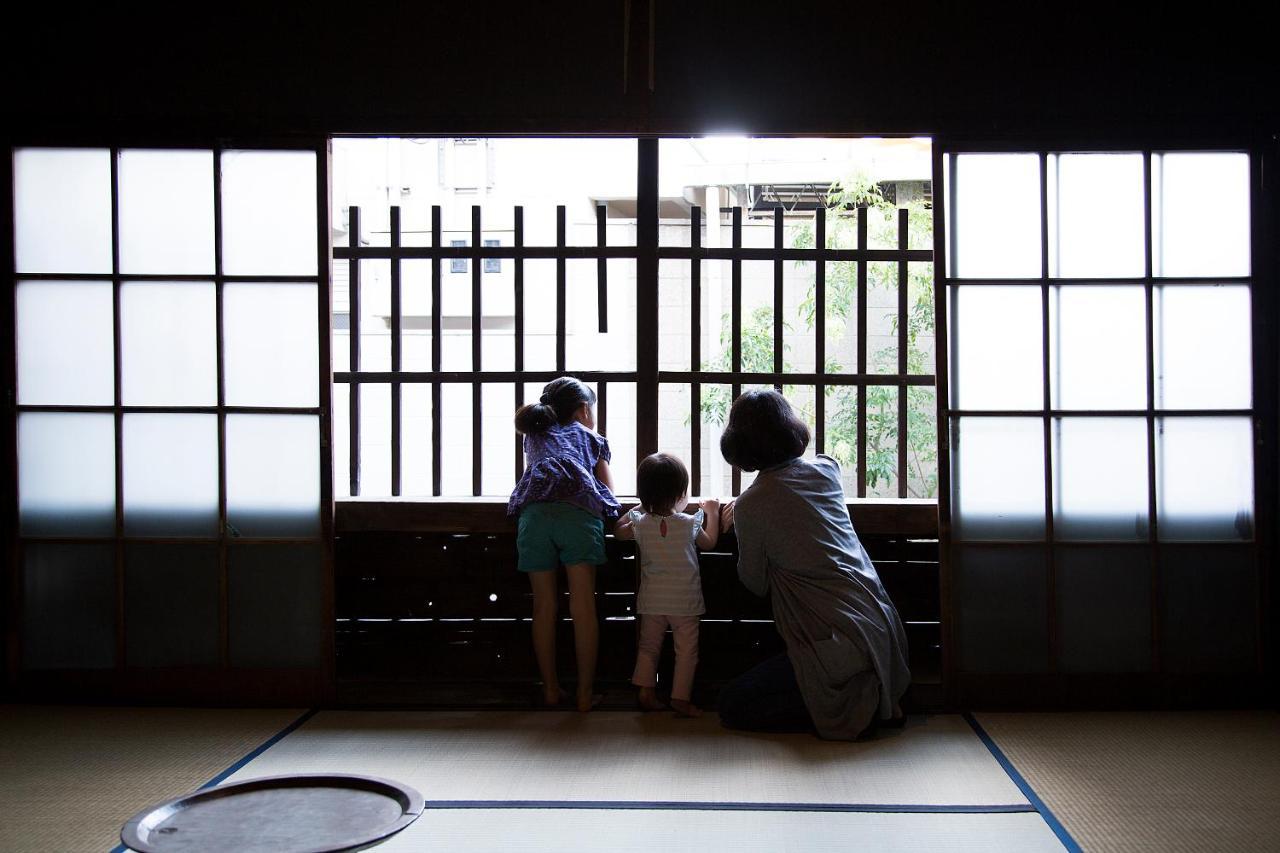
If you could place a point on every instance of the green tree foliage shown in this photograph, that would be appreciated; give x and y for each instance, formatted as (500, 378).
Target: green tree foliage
(843, 200)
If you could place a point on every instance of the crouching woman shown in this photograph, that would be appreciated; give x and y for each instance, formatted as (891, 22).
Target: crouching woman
(845, 667)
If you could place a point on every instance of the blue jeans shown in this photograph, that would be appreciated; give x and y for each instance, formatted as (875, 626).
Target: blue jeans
(765, 699)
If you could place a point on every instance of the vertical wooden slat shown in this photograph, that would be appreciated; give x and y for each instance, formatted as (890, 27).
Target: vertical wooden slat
(904, 317)
(353, 324)
(518, 216)
(862, 355)
(1153, 555)
(9, 523)
(560, 289)
(1262, 216)
(646, 297)
(735, 267)
(1051, 598)
(477, 349)
(224, 590)
(396, 351)
(602, 407)
(820, 329)
(602, 272)
(695, 351)
(943, 197)
(325, 378)
(117, 370)
(778, 295)
(436, 332)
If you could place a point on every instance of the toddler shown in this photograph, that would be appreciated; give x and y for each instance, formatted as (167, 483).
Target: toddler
(670, 582)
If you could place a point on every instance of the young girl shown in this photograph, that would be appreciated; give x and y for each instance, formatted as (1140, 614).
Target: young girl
(670, 584)
(845, 667)
(562, 498)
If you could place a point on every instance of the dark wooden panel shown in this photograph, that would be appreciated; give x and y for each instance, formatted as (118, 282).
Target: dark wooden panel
(911, 518)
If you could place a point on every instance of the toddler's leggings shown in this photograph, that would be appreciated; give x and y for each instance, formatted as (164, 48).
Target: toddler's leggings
(684, 630)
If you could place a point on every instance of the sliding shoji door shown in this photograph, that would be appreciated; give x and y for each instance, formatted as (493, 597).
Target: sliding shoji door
(1101, 419)
(172, 366)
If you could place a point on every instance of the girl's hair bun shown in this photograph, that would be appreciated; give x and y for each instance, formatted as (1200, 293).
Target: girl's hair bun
(560, 399)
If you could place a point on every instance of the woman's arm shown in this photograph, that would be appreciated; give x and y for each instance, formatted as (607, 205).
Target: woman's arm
(709, 534)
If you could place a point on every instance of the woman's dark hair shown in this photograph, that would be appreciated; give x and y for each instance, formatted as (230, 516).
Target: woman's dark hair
(661, 480)
(561, 398)
(763, 431)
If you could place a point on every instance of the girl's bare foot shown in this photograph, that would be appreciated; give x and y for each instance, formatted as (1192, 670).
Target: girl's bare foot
(553, 697)
(685, 708)
(648, 700)
(588, 701)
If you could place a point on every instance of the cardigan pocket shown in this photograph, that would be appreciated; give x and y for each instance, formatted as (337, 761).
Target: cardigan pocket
(839, 658)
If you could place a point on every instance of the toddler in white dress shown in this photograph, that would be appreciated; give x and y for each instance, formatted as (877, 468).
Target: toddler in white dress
(670, 581)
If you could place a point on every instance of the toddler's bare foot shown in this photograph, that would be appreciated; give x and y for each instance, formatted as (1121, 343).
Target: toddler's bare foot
(648, 700)
(588, 701)
(685, 708)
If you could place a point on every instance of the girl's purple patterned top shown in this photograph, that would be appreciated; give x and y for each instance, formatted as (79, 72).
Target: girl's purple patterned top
(560, 466)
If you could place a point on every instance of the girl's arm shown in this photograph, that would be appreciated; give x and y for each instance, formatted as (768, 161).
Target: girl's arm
(603, 474)
(710, 532)
(624, 527)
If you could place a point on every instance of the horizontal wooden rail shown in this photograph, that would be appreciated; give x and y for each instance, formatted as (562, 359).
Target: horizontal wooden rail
(887, 517)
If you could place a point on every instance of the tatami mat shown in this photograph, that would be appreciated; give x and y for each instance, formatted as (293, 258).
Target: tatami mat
(499, 756)
(559, 830)
(73, 775)
(1152, 781)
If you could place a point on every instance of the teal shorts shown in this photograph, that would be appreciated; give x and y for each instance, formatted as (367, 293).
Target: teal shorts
(552, 534)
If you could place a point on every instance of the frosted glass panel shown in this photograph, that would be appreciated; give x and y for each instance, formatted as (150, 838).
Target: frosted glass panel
(1100, 210)
(1204, 354)
(1100, 480)
(65, 343)
(1000, 355)
(1201, 214)
(999, 478)
(1210, 605)
(996, 229)
(1104, 609)
(68, 606)
(1098, 350)
(168, 344)
(275, 606)
(1001, 594)
(62, 210)
(273, 475)
(269, 212)
(171, 605)
(270, 345)
(166, 212)
(66, 474)
(1204, 476)
(171, 475)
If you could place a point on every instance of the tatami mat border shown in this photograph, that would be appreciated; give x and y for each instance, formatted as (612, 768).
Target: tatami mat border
(685, 806)
(1027, 791)
(262, 747)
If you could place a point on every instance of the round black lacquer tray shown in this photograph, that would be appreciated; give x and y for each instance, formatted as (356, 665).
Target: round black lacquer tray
(315, 814)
